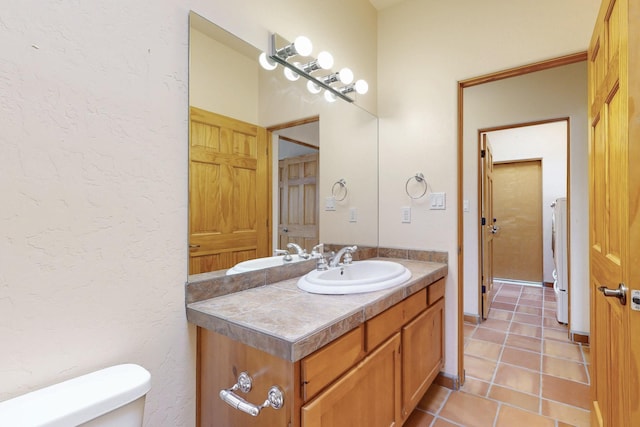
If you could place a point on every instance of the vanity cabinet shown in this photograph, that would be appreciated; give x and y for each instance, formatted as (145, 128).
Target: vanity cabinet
(372, 376)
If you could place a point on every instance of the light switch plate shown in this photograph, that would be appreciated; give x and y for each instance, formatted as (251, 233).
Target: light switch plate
(437, 201)
(465, 204)
(330, 204)
(406, 214)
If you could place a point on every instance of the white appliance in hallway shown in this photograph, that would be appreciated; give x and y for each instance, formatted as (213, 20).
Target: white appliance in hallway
(559, 247)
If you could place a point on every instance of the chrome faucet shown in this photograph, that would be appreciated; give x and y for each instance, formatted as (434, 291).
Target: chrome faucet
(347, 251)
(287, 255)
(302, 253)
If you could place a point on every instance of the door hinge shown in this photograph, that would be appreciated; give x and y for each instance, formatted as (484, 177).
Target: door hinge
(483, 153)
(484, 289)
(483, 221)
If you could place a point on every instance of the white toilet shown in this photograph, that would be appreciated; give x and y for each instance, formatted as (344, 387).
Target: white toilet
(111, 397)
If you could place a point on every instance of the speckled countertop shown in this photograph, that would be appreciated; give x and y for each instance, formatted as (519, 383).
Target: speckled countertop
(290, 323)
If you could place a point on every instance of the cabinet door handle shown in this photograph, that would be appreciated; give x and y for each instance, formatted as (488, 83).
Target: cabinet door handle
(275, 396)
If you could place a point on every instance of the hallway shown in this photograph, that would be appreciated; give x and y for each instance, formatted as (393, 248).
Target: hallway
(521, 369)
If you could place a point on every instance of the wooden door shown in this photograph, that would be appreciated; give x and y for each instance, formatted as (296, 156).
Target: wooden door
(367, 396)
(517, 196)
(299, 201)
(614, 206)
(228, 192)
(488, 226)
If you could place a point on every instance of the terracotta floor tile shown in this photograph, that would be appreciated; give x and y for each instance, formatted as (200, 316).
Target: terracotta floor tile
(549, 313)
(509, 417)
(490, 335)
(508, 300)
(503, 306)
(474, 386)
(556, 334)
(565, 391)
(469, 410)
(553, 323)
(525, 309)
(434, 398)
(527, 318)
(515, 398)
(562, 350)
(524, 359)
(468, 329)
(483, 349)
(518, 379)
(532, 300)
(481, 369)
(567, 369)
(497, 324)
(443, 423)
(526, 329)
(551, 305)
(525, 343)
(569, 414)
(419, 419)
(500, 314)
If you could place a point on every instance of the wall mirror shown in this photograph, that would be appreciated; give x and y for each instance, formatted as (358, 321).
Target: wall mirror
(283, 119)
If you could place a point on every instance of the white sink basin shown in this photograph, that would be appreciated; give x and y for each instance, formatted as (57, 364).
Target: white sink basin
(360, 276)
(260, 263)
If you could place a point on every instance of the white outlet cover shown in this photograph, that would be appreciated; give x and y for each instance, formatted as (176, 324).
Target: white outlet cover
(330, 204)
(405, 214)
(353, 215)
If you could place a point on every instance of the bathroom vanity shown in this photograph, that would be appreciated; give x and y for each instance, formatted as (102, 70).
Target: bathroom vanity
(339, 360)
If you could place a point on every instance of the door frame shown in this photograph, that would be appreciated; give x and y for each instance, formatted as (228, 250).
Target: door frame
(462, 84)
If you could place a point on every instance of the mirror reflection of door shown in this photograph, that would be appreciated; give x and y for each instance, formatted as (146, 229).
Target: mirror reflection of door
(298, 195)
(228, 192)
(488, 225)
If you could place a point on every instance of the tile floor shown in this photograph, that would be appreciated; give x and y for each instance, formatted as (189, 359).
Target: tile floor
(521, 370)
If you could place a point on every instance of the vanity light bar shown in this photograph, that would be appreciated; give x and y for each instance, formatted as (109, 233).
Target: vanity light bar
(275, 56)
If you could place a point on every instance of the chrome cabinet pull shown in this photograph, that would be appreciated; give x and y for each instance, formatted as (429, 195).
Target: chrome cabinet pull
(275, 396)
(620, 293)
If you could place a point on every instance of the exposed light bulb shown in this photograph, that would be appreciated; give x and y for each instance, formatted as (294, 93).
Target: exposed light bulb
(303, 46)
(325, 60)
(345, 75)
(266, 62)
(313, 88)
(292, 75)
(330, 97)
(362, 87)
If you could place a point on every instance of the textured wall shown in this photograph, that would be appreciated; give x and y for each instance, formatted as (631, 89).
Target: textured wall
(93, 178)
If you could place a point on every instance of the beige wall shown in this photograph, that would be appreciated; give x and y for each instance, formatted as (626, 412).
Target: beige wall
(93, 240)
(424, 49)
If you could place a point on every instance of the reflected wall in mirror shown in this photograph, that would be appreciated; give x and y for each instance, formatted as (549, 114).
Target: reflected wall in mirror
(239, 116)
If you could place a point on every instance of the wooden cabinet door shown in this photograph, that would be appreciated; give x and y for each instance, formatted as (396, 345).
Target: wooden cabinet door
(367, 396)
(422, 355)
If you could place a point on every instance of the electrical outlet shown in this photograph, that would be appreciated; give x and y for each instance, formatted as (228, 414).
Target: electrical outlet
(353, 215)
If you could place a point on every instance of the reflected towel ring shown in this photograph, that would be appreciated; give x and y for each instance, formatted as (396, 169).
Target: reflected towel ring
(419, 177)
(342, 189)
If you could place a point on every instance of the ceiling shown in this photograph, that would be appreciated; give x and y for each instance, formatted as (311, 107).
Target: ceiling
(381, 4)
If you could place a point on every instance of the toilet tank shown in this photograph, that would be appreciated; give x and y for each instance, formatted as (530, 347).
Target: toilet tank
(112, 396)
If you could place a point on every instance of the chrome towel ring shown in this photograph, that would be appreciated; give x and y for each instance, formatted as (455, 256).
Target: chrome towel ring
(419, 177)
(339, 189)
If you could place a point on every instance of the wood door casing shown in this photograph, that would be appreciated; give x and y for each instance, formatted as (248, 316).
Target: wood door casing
(614, 206)
(299, 197)
(487, 230)
(228, 192)
(517, 195)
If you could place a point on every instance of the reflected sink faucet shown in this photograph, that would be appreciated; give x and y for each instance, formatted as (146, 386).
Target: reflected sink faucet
(302, 253)
(347, 252)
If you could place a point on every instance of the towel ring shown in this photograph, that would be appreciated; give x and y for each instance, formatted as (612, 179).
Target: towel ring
(341, 185)
(419, 177)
